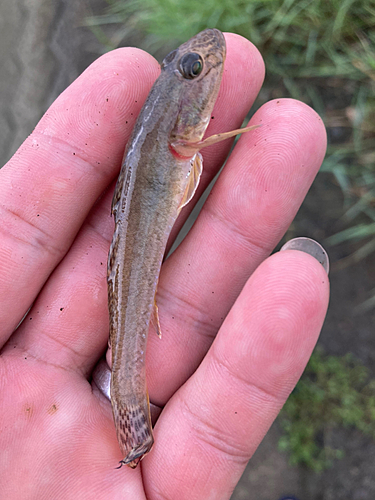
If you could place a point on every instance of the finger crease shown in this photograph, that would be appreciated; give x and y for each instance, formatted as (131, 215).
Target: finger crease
(39, 236)
(219, 365)
(214, 436)
(233, 228)
(97, 232)
(76, 151)
(203, 325)
(65, 346)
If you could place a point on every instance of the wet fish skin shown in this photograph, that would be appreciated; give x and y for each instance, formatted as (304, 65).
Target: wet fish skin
(155, 181)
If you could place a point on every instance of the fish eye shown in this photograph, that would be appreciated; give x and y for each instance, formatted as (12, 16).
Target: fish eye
(191, 65)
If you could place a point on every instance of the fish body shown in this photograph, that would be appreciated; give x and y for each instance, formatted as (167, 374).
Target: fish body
(154, 182)
(160, 172)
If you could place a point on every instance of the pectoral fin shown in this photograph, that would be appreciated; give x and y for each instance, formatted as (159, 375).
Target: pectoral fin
(193, 181)
(214, 139)
(186, 148)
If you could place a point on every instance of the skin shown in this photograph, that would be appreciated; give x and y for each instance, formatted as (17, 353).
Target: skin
(238, 326)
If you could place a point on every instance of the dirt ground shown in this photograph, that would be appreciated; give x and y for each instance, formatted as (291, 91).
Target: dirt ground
(43, 50)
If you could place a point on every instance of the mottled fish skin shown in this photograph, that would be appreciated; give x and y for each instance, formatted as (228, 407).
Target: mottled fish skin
(148, 195)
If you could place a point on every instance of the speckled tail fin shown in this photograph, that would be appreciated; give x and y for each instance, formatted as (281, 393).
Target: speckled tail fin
(134, 432)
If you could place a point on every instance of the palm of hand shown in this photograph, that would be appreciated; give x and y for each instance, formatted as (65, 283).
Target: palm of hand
(234, 341)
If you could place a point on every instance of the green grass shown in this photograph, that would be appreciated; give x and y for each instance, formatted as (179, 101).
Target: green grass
(319, 51)
(333, 392)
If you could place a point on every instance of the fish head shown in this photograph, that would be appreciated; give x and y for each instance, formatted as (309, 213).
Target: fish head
(197, 69)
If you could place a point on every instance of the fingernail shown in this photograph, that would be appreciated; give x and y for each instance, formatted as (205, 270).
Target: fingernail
(311, 247)
(102, 378)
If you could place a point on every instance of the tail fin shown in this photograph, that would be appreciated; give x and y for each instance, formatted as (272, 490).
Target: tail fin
(134, 432)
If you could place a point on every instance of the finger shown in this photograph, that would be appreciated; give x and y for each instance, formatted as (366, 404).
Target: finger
(68, 322)
(218, 418)
(251, 206)
(50, 184)
(75, 296)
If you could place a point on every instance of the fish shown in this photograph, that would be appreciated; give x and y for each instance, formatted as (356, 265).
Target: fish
(160, 173)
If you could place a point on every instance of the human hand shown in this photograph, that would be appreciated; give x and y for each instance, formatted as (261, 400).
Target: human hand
(238, 327)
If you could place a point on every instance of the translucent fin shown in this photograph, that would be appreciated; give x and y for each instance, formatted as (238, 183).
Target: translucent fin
(214, 139)
(194, 178)
(134, 432)
(185, 148)
(155, 319)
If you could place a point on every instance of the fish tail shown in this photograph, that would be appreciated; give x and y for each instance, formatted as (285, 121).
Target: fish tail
(134, 432)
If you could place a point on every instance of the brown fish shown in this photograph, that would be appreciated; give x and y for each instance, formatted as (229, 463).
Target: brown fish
(159, 175)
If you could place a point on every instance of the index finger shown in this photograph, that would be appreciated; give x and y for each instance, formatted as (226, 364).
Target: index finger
(50, 184)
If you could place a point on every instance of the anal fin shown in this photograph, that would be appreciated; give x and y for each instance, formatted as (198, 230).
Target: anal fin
(155, 319)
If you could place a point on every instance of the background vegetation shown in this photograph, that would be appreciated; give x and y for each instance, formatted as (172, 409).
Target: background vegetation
(333, 392)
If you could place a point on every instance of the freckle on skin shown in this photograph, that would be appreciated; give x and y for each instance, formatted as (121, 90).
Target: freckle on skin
(52, 409)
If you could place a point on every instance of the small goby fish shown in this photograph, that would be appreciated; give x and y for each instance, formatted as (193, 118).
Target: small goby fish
(159, 175)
